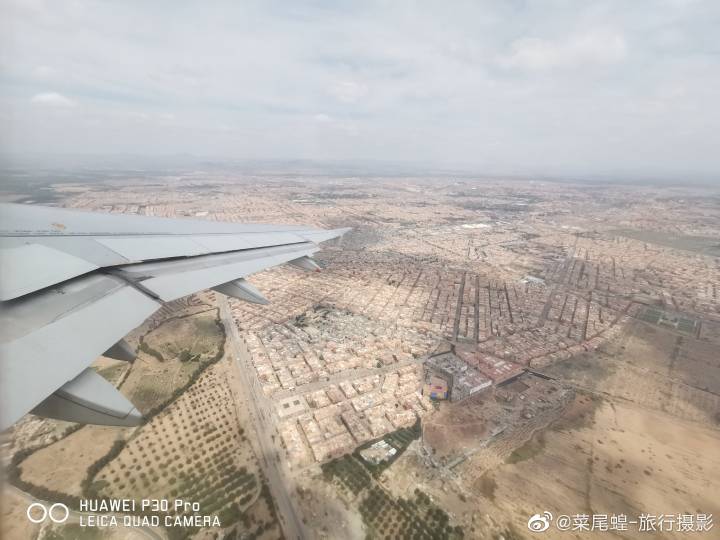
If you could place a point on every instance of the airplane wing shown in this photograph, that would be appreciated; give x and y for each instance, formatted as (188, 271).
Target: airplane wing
(73, 284)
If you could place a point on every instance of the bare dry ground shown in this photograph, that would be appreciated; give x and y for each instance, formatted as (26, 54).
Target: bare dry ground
(328, 515)
(630, 460)
(15, 526)
(73, 531)
(640, 436)
(456, 429)
(508, 414)
(62, 466)
(654, 368)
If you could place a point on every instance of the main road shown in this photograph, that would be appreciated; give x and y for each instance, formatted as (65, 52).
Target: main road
(259, 408)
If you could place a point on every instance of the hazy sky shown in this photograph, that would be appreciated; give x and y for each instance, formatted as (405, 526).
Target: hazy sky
(545, 86)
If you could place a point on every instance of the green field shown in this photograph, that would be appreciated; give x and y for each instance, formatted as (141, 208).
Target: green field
(676, 322)
(385, 516)
(706, 245)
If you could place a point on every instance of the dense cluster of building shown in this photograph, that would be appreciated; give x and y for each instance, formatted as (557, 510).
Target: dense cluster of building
(510, 275)
(336, 418)
(450, 377)
(326, 344)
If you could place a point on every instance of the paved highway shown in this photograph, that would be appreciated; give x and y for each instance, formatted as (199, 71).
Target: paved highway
(260, 410)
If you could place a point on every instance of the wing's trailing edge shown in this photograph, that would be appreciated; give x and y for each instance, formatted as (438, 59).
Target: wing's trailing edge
(73, 283)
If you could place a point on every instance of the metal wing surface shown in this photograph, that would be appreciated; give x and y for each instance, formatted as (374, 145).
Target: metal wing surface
(73, 284)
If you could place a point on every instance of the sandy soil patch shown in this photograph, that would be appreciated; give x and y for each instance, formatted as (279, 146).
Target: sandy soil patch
(62, 466)
(14, 524)
(327, 514)
(630, 460)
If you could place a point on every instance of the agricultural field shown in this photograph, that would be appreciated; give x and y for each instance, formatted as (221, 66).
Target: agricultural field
(193, 446)
(389, 518)
(706, 245)
(194, 450)
(352, 477)
(679, 323)
(384, 515)
(169, 355)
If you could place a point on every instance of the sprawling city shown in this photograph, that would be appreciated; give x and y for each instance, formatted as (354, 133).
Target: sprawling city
(359, 270)
(473, 352)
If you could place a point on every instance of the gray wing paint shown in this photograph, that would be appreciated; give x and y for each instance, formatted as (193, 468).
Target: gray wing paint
(50, 337)
(42, 246)
(74, 283)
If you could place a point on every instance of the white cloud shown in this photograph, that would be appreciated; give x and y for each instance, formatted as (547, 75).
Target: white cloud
(348, 91)
(503, 86)
(52, 99)
(44, 72)
(139, 116)
(595, 47)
